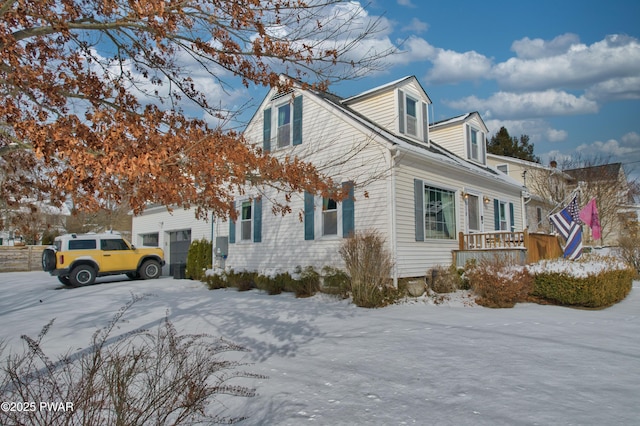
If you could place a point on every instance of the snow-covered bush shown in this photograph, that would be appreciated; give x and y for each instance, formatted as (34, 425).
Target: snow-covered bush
(593, 282)
(444, 279)
(499, 283)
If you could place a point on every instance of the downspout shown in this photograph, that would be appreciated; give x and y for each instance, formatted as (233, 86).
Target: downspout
(393, 155)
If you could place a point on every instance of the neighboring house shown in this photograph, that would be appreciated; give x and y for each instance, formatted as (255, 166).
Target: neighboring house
(547, 187)
(608, 184)
(417, 193)
(27, 223)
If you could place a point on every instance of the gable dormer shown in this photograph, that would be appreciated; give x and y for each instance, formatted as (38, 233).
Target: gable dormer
(400, 107)
(465, 136)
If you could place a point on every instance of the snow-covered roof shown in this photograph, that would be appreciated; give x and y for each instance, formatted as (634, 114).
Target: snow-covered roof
(384, 87)
(433, 151)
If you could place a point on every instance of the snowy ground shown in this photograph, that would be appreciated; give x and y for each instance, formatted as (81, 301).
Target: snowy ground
(331, 363)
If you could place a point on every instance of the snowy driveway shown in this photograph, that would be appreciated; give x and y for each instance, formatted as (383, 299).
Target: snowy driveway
(330, 363)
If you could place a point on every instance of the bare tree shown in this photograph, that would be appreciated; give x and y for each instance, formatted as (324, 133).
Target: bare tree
(608, 184)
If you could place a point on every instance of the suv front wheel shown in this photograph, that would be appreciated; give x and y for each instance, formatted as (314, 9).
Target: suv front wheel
(150, 269)
(82, 275)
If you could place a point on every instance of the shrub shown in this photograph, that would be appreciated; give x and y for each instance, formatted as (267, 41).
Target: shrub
(307, 284)
(141, 378)
(243, 281)
(444, 280)
(498, 283)
(335, 281)
(272, 285)
(199, 259)
(368, 264)
(600, 283)
(629, 251)
(216, 281)
(284, 281)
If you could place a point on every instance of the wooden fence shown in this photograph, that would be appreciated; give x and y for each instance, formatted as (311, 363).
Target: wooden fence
(21, 258)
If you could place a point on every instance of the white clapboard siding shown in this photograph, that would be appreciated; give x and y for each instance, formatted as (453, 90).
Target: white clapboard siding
(160, 220)
(328, 140)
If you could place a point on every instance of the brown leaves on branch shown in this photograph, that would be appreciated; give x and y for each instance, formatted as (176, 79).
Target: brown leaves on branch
(93, 95)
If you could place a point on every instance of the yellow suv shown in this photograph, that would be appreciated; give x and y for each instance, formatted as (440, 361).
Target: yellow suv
(77, 259)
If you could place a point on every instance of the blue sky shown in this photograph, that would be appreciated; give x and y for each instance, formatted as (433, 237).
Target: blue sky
(564, 72)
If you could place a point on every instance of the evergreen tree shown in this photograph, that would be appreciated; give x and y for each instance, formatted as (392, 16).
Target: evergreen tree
(503, 144)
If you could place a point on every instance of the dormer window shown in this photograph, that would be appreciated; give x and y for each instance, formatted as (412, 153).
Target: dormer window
(284, 125)
(412, 117)
(475, 144)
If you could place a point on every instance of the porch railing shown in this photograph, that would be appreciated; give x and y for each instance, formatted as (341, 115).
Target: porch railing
(493, 240)
(531, 246)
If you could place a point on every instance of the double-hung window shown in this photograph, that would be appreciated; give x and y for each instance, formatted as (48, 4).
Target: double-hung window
(412, 117)
(284, 125)
(474, 144)
(329, 216)
(245, 221)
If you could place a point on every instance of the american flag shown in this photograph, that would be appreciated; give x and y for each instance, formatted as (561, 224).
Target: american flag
(574, 211)
(567, 222)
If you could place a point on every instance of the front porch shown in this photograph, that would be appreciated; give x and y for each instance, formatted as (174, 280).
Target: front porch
(520, 247)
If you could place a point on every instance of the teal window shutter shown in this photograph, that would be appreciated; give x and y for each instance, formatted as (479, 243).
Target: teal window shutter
(257, 220)
(512, 217)
(418, 195)
(348, 210)
(266, 130)
(232, 231)
(425, 123)
(308, 216)
(297, 120)
(401, 111)
(496, 215)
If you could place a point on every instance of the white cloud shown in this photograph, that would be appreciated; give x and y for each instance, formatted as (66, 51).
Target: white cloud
(509, 105)
(615, 89)
(563, 62)
(406, 3)
(452, 67)
(416, 26)
(527, 48)
(538, 130)
(632, 138)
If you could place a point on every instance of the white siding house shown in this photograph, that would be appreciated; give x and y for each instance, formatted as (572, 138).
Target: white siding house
(172, 231)
(378, 146)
